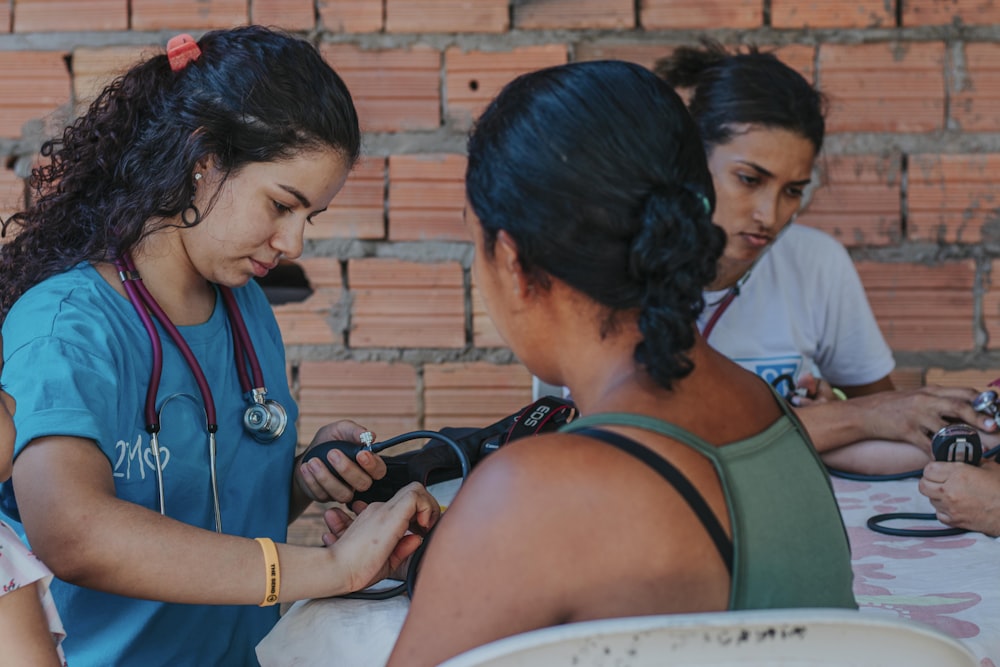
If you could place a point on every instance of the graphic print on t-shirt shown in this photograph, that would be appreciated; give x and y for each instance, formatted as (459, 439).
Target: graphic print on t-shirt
(772, 370)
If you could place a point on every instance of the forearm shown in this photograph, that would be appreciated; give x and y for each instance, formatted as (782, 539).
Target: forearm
(876, 457)
(132, 551)
(834, 424)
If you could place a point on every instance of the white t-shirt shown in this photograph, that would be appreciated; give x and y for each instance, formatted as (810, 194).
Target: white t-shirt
(802, 309)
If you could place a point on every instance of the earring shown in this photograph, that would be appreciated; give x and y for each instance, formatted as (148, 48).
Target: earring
(191, 211)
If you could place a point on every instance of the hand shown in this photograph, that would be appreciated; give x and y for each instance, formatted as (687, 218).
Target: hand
(964, 495)
(383, 536)
(914, 416)
(816, 389)
(319, 484)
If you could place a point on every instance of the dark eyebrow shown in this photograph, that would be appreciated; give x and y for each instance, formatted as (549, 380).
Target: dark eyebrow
(756, 167)
(295, 193)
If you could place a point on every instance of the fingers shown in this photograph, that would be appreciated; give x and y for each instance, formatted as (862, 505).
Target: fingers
(345, 429)
(938, 472)
(378, 540)
(413, 505)
(373, 465)
(321, 485)
(337, 521)
(315, 478)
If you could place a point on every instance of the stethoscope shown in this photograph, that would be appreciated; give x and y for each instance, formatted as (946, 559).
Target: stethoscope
(265, 419)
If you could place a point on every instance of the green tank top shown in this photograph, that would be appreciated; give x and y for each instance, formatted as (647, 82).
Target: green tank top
(790, 546)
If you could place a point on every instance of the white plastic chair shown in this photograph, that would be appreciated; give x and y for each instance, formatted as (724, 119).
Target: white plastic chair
(765, 638)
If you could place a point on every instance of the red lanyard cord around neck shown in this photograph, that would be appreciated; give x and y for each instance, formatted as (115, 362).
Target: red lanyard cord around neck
(733, 292)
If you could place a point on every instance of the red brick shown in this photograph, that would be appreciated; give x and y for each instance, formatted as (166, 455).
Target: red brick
(473, 394)
(799, 57)
(447, 15)
(188, 14)
(474, 78)
(70, 15)
(921, 307)
(380, 396)
(991, 307)
(575, 14)
(32, 85)
(95, 68)
(952, 197)
(975, 103)
(393, 89)
(406, 304)
(5, 17)
(426, 197)
(977, 378)
(319, 320)
(677, 14)
(833, 14)
(941, 12)
(287, 14)
(340, 16)
(907, 378)
(884, 87)
(358, 211)
(858, 199)
(640, 53)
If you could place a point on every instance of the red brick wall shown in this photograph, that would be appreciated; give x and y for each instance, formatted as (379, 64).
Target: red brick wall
(395, 334)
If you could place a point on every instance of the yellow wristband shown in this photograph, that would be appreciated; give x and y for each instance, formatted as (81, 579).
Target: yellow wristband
(839, 393)
(272, 571)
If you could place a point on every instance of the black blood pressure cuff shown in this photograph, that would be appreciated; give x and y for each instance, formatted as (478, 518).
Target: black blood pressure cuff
(437, 462)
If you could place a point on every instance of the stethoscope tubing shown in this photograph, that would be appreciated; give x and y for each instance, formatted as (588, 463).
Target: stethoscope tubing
(252, 385)
(137, 303)
(146, 300)
(242, 344)
(877, 522)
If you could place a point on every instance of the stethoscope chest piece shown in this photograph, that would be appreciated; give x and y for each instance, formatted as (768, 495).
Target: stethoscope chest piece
(265, 420)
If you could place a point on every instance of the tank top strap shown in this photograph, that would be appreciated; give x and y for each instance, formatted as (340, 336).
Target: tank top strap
(691, 495)
(647, 423)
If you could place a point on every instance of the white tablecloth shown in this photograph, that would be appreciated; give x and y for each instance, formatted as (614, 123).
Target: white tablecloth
(951, 583)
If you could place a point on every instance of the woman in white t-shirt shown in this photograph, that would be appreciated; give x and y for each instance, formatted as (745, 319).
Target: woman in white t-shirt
(787, 302)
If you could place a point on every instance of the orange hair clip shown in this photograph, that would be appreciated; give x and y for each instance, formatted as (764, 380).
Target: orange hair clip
(181, 50)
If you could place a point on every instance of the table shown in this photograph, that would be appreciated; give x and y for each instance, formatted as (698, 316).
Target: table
(950, 583)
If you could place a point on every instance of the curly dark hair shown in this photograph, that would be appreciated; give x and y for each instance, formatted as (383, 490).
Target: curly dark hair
(596, 171)
(124, 168)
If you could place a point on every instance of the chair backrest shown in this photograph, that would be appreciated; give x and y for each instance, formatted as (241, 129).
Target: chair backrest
(764, 638)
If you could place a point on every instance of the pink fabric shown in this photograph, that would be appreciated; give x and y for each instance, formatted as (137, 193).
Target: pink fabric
(950, 583)
(19, 567)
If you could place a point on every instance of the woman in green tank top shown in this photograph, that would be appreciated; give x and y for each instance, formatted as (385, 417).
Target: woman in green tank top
(687, 486)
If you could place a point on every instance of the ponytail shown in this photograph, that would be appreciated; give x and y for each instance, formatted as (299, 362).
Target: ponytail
(675, 219)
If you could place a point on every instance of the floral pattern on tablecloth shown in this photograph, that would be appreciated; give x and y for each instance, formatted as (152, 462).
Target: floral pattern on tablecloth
(950, 583)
